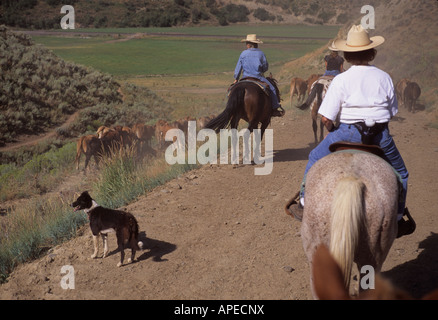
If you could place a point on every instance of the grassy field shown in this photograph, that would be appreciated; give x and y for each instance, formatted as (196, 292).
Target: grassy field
(162, 55)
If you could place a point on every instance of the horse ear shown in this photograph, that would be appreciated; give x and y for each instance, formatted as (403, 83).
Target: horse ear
(328, 280)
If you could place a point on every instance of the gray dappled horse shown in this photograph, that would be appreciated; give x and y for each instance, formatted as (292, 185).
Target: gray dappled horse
(351, 202)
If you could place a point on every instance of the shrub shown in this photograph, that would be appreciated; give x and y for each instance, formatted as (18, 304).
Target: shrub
(263, 15)
(38, 89)
(233, 13)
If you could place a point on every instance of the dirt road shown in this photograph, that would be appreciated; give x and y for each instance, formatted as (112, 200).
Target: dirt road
(220, 232)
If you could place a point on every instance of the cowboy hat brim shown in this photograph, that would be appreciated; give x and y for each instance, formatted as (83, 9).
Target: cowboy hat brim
(252, 41)
(332, 47)
(342, 45)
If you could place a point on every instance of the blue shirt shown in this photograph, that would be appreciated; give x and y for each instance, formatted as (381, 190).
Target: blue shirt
(253, 63)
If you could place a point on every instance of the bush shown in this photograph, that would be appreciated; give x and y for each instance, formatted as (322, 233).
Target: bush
(38, 89)
(263, 15)
(233, 13)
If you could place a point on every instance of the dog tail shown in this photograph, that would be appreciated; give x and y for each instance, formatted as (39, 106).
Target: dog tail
(133, 231)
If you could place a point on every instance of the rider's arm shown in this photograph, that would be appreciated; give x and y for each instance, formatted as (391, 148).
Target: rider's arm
(328, 124)
(238, 68)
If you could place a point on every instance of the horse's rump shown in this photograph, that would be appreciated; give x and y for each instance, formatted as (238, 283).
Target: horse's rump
(246, 100)
(366, 203)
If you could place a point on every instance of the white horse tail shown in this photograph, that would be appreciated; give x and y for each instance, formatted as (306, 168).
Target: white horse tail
(346, 218)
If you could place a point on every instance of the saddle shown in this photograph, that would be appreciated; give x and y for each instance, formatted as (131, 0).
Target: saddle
(263, 85)
(345, 145)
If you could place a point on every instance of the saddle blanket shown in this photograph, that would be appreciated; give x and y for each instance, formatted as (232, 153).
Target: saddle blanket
(264, 86)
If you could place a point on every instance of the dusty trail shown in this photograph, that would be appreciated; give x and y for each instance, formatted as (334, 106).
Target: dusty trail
(31, 140)
(220, 232)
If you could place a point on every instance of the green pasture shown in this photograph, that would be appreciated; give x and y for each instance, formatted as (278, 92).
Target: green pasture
(185, 54)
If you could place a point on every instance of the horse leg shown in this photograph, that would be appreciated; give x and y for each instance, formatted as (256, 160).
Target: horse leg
(315, 129)
(78, 159)
(87, 159)
(321, 136)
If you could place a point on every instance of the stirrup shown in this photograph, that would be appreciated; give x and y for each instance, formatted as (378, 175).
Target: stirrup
(279, 112)
(294, 208)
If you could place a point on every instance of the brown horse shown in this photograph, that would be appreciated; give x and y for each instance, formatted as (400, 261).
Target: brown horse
(329, 282)
(247, 101)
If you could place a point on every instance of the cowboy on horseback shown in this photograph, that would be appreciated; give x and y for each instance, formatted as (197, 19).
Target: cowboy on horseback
(252, 63)
(363, 100)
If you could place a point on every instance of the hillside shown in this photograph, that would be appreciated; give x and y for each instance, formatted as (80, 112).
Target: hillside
(39, 90)
(410, 29)
(45, 14)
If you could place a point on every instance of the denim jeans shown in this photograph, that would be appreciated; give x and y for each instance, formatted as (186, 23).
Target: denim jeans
(332, 73)
(346, 132)
(274, 98)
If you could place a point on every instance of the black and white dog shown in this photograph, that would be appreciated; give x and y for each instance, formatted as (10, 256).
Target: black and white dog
(104, 220)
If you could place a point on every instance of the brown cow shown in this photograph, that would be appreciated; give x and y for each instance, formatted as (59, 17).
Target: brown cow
(202, 121)
(143, 135)
(297, 87)
(90, 146)
(312, 78)
(410, 95)
(142, 132)
(116, 137)
(400, 88)
(102, 131)
(161, 129)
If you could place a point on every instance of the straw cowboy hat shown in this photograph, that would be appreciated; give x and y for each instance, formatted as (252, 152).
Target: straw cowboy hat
(251, 38)
(332, 47)
(358, 39)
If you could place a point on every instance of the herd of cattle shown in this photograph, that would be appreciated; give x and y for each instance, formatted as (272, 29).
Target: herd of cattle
(138, 138)
(407, 91)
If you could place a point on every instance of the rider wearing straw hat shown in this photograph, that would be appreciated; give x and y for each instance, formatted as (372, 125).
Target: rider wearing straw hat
(253, 63)
(363, 100)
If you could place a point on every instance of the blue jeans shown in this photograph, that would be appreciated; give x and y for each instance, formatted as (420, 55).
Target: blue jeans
(274, 97)
(346, 132)
(332, 73)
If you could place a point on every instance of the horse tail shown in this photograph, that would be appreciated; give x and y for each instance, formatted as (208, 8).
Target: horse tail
(316, 90)
(346, 217)
(223, 120)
